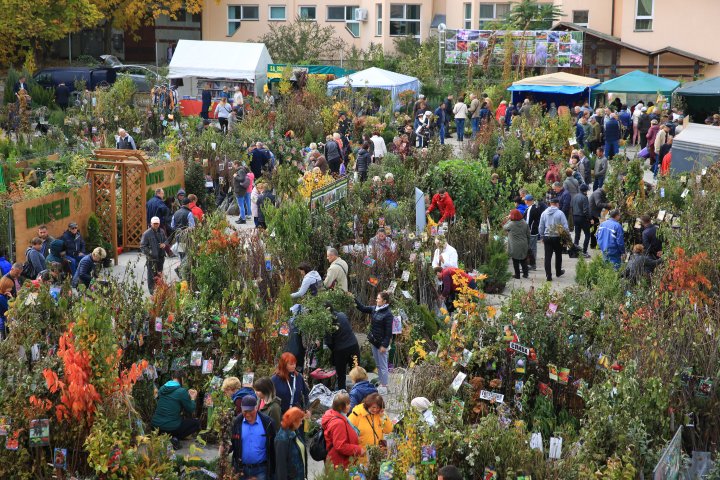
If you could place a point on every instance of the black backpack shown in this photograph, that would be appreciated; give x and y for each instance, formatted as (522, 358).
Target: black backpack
(28, 270)
(317, 447)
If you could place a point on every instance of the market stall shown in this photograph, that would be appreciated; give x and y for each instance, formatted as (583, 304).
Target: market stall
(275, 72)
(377, 78)
(702, 98)
(635, 86)
(696, 147)
(197, 64)
(561, 88)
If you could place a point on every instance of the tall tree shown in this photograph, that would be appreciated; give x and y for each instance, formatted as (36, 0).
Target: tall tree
(30, 25)
(302, 41)
(130, 15)
(531, 15)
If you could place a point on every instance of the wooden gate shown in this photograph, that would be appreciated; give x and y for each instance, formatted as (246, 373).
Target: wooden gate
(132, 167)
(102, 196)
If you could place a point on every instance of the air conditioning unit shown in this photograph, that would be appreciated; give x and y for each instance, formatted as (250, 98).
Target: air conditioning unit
(361, 15)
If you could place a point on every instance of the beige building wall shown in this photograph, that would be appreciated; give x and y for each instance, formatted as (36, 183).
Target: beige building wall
(599, 12)
(215, 20)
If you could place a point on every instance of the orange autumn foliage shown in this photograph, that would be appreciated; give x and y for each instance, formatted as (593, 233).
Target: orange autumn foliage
(220, 242)
(79, 398)
(683, 275)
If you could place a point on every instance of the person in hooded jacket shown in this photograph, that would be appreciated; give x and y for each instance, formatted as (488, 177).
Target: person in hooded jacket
(362, 162)
(174, 399)
(380, 334)
(343, 344)
(311, 282)
(341, 438)
(550, 220)
(57, 255)
(370, 420)
(234, 390)
(611, 239)
(361, 386)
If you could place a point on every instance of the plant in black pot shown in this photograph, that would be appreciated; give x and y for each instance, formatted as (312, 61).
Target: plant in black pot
(496, 268)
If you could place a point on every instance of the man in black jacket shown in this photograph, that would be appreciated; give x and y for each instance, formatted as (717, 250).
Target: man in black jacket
(343, 344)
(651, 243)
(241, 182)
(598, 202)
(532, 217)
(62, 95)
(152, 244)
(259, 161)
(258, 432)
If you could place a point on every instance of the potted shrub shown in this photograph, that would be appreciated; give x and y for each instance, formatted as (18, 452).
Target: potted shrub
(496, 268)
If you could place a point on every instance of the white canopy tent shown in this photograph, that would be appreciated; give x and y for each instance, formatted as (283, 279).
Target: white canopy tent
(223, 62)
(377, 78)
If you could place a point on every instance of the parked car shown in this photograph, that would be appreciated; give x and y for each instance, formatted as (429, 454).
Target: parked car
(93, 77)
(143, 76)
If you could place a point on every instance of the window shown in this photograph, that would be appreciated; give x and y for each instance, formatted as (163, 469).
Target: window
(644, 15)
(581, 17)
(237, 13)
(404, 20)
(341, 14)
(378, 27)
(467, 24)
(308, 13)
(276, 12)
(492, 12)
(353, 27)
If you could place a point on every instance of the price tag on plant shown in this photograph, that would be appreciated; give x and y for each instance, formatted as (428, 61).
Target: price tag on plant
(158, 324)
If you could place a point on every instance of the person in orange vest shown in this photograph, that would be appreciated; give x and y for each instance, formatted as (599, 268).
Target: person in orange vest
(442, 201)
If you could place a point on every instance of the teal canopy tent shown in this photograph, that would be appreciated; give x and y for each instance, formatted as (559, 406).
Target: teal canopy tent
(702, 98)
(639, 83)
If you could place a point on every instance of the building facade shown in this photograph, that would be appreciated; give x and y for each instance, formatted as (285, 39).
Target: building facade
(621, 35)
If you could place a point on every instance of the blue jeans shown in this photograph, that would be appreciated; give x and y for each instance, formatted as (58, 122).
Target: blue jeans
(442, 134)
(73, 263)
(475, 124)
(244, 205)
(614, 258)
(599, 181)
(381, 360)
(612, 148)
(460, 125)
(258, 473)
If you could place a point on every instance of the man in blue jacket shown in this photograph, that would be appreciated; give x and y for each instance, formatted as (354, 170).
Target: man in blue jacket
(612, 136)
(74, 245)
(611, 239)
(85, 270)
(156, 207)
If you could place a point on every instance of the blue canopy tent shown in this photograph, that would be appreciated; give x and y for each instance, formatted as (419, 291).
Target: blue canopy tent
(377, 78)
(561, 88)
(638, 85)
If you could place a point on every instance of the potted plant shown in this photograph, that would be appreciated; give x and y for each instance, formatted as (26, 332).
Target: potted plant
(496, 268)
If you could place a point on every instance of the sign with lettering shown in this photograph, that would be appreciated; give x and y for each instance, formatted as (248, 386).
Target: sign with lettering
(491, 396)
(519, 348)
(55, 210)
(168, 176)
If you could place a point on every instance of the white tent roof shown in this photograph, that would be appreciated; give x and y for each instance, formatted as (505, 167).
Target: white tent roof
(559, 79)
(227, 60)
(373, 78)
(698, 134)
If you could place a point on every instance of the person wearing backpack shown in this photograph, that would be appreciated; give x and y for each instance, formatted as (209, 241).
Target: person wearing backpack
(311, 281)
(34, 260)
(341, 440)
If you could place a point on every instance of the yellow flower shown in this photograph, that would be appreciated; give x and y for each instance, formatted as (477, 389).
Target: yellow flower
(482, 276)
(491, 311)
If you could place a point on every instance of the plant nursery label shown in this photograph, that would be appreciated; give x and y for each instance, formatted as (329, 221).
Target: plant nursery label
(4, 425)
(491, 396)
(391, 288)
(369, 261)
(552, 372)
(457, 382)
(490, 474)
(386, 470)
(248, 379)
(40, 432)
(536, 441)
(60, 458)
(564, 376)
(207, 366)
(519, 348)
(397, 325)
(230, 365)
(555, 447)
(405, 277)
(428, 455)
(406, 294)
(158, 324)
(196, 358)
(12, 442)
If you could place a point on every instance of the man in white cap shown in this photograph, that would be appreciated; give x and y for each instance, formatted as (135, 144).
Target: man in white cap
(152, 244)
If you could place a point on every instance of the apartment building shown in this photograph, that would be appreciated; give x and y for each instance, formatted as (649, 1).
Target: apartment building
(660, 36)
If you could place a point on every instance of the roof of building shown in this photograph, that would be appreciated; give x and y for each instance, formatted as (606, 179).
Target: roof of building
(620, 43)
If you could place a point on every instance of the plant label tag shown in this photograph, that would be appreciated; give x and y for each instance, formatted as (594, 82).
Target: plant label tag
(391, 288)
(519, 348)
(662, 193)
(698, 179)
(405, 277)
(213, 145)
(406, 294)
(207, 366)
(536, 441)
(555, 447)
(230, 365)
(704, 171)
(397, 325)
(158, 324)
(457, 382)
(552, 308)
(491, 396)
(684, 193)
(572, 141)
(661, 215)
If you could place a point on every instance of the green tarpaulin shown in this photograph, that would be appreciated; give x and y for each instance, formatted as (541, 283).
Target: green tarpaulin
(637, 82)
(275, 71)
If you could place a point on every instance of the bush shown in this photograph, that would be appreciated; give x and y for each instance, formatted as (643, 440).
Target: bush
(496, 268)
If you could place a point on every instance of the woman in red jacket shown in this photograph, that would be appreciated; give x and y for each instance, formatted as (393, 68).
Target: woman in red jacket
(341, 438)
(444, 203)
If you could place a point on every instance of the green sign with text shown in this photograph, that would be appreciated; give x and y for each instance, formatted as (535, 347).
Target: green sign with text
(47, 212)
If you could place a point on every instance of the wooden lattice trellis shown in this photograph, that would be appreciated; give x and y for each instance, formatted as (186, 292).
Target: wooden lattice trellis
(132, 166)
(103, 197)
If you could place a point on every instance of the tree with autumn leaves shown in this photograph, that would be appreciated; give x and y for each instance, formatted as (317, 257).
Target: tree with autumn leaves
(29, 27)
